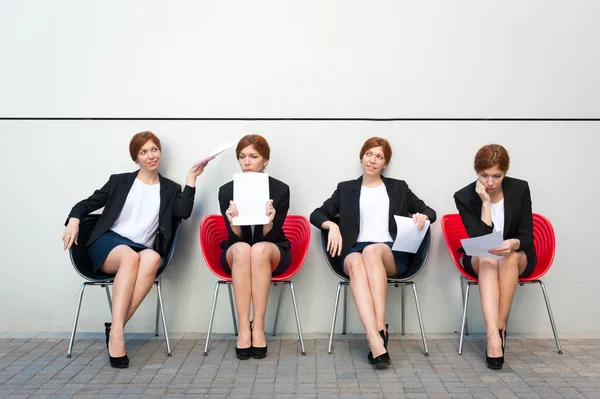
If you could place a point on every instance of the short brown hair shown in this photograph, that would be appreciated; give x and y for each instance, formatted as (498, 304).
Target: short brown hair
(259, 143)
(139, 140)
(377, 142)
(491, 155)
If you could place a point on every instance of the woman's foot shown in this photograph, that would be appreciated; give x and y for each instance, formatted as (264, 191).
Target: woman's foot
(243, 349)
(116, 340)
(116, 343)
(494, 344)
(378, 355)
(259, 342)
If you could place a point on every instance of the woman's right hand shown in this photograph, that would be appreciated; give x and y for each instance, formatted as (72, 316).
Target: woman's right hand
(70, 234)
(482, 192)
(334, 240)
(231, 212)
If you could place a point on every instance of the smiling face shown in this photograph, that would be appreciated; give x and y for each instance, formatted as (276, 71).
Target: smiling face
(373, 161)
(251, 161)
(148, 157)
(491, 179)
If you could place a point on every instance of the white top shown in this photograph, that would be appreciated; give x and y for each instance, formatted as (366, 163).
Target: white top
(374, 215)
(497, 211)
(138, 219)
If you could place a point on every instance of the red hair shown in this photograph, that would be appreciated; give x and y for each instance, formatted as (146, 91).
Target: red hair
(491, 155)
(377, 142)
(139, 140)
(260, 145)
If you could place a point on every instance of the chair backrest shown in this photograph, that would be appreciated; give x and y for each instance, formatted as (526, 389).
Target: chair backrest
(78, 253)
(297, 230)
(417, 261)
(167, 260)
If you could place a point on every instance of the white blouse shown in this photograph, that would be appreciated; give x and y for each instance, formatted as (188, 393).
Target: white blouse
(374, 215)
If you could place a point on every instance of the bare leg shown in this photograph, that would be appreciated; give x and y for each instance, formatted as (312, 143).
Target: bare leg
(487, 271)
(363, 298)
(149, 264)
(510, 267)
(123, 261)
(265, 258)
(238, 257)
(379, 264)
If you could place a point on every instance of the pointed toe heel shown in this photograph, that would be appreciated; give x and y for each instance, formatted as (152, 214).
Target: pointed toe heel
(243, 353)
(494, 363)
(259, 353)
(121, 362)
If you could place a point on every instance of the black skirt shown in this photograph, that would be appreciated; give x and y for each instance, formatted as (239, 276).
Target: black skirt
(98, 251)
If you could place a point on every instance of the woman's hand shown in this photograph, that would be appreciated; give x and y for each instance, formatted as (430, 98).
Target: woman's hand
(482, 192)
(419, 220)
(70, 234)
(270, 211)
(506, 248)
(196, 171)
(334, 240)
(231, 212)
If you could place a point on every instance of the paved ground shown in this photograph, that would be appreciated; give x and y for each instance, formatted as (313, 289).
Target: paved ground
(35, 366)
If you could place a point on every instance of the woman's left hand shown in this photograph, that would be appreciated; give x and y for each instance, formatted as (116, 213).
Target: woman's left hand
(420, 219)
(506, 248)
(270, 211)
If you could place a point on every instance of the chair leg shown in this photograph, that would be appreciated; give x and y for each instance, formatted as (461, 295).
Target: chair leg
(277, 311)
(463, 281)
(109, 298)
(418, 304)
(164, 317)
(157, 311)
(297, 319)
(402, 305)
(335, 308)
(212, 316)
(235, 330)
(464, 318)
(558, 346)
(345, 308)
(81, 291)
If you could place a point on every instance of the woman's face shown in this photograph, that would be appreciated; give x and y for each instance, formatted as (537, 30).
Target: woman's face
(149, 157)
(373, 161)
(491, 179)
(251, 161)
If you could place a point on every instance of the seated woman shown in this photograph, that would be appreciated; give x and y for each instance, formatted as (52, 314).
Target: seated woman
(364, 237)
(495, 202)
(133, 233)
(252, 254)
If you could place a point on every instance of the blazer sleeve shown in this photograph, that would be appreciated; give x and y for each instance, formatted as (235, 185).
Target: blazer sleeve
(471, 220)
(525, 235)
(280, 214)
(94, 202)
(329, 209)
(223, 205)
(184, 202)
(415, 204)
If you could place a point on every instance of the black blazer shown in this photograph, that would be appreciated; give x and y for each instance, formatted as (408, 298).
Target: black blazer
(173, 205)
(279, 192)
(345, 203)
(518, 219)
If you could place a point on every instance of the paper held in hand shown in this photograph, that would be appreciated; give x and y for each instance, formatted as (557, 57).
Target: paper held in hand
(409, 237)
(213, 154)
(250, 194)
(479, 246)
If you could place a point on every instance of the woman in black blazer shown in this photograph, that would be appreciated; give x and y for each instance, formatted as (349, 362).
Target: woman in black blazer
(133, 232)
(253, 254)
(367, 228)
(495, 202)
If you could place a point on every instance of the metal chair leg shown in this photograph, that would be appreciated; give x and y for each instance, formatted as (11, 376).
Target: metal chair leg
(558, 346)
(463, 281)
(157, 311)
(335, 308)
(297, 318)
(345, 308)
(81, 291)
(235, 330)
(108, 297)
(464, 318)
(414, 287)
(277, 311)
(164, 317)
(212, 316)
(402, 305)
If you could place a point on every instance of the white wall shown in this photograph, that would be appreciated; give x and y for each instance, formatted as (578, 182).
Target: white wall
(48, 166)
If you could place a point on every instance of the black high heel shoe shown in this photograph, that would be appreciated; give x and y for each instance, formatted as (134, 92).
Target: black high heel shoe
(385, 342)
(258, 352)
(496, 363)
(120, 362)
(382, 361)
(245, 353)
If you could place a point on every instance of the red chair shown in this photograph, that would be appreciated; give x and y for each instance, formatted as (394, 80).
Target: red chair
(213, 232)
(544, 241)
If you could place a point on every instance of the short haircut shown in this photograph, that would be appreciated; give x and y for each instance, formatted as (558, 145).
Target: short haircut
(377, 142)
(256, 140)
(491, 155)
(139, 140)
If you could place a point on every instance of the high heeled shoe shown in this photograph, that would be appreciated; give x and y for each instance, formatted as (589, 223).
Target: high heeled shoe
(245, 353)
(386, 337)
(258, 352)
(494, 363)
(382, 361)
(120, 362)
(503, 338)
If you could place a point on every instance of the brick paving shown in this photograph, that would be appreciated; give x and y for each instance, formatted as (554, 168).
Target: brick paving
(36, 366)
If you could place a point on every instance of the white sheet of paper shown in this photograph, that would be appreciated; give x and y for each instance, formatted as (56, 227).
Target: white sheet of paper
(250, 194)
(216, 151)
(409, 237)
(479, 246)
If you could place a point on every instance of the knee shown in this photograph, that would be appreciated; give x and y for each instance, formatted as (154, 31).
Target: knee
(240, 250)
(151, 263)
(131, 260)
(355, 267)
(509, 261)
(487, 262)
(372, 251)
(260, 252)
